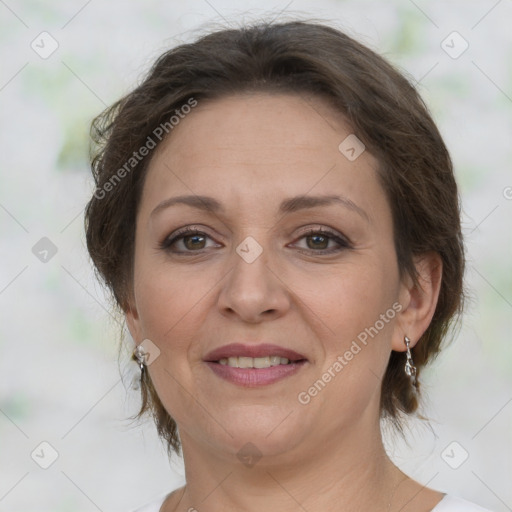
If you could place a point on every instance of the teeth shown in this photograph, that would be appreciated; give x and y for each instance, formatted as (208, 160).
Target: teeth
(275, 360)
(254, 362)
(244, 362)
(261, 362)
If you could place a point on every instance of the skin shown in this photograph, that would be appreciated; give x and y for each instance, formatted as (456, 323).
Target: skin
(250, 152)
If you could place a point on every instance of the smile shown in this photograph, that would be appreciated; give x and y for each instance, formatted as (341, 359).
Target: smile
(255, 372)
(254, 362)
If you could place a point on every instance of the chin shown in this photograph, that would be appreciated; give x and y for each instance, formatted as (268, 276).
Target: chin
(259, 432)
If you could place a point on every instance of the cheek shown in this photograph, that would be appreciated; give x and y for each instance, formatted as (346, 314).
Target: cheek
(352, 299)
(341, 301)
(356, 344)
(356, 306)
(168, 302)
(174, 302)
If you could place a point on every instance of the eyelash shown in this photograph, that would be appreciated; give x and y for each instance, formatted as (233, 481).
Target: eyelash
(168, 242)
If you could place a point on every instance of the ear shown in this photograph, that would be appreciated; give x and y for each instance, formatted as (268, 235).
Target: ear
(418, 301)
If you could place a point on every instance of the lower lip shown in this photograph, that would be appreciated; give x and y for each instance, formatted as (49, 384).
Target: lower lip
(253, 377)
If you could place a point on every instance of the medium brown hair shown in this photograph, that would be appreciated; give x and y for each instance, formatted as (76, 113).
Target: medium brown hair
(312, 59)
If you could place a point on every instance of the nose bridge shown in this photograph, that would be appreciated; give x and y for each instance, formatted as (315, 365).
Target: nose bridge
(252, 287)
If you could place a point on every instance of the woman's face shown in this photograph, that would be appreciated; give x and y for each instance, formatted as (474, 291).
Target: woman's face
(271, 172)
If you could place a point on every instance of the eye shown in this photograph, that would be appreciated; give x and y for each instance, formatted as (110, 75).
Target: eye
(185, 240)
(318, 240)
(190, 239)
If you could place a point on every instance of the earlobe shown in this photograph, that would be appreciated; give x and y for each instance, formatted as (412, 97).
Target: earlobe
(419, 300)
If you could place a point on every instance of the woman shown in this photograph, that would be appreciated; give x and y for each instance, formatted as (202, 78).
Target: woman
(277, 218)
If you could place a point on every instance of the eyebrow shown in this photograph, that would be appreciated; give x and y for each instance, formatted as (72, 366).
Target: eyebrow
(289, 205)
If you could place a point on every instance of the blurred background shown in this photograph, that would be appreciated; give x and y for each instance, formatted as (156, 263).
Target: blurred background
(65, 441)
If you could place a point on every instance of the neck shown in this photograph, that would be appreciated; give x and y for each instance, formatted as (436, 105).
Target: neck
(351, 473)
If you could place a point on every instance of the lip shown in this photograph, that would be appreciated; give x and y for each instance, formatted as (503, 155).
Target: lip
(254, 377)
(244, 350)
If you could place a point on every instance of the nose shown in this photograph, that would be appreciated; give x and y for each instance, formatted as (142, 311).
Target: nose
(253, 292)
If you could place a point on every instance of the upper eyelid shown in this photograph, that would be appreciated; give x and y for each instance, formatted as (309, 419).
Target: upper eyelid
(181, 233)
(184, 231)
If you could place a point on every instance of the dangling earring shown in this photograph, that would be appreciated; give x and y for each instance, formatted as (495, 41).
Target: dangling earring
(410, 369)
(141, 356)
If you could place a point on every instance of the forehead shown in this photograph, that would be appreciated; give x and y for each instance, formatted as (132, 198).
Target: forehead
(261, 124)
(252, 147)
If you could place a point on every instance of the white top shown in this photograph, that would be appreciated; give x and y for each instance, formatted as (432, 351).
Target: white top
(447, 504)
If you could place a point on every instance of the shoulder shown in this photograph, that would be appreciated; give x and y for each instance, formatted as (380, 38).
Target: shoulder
(453, 504)
(154, 505)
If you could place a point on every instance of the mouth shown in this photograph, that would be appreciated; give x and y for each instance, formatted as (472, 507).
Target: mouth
(254, 365)
(256, 362)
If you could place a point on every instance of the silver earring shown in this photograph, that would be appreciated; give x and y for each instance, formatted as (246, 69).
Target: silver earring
(141, 356)
(410, 369)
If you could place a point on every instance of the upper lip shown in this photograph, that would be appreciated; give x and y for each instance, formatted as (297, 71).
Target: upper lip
(260, 350)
